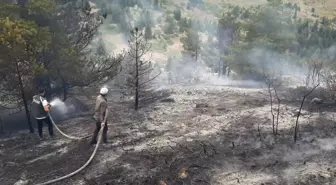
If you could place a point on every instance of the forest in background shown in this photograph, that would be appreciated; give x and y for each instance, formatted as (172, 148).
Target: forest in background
(246, 39)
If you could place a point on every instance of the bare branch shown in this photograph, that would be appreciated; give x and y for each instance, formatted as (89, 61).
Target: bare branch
(299, 113)
(151, 79)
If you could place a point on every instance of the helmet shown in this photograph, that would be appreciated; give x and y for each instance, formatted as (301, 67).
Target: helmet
(103, 91)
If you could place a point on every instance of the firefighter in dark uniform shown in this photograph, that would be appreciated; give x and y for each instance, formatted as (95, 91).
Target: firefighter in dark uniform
(41, 107)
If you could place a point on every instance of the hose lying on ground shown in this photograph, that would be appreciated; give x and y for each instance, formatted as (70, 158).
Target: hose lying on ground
(65, 135)
(85, 165)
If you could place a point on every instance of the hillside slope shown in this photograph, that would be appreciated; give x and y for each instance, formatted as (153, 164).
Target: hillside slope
(165, 45)
(322, 8)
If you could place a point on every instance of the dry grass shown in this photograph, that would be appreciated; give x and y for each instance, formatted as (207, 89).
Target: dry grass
(328, 9)
(322, 7)
(244, 3)
(325, 8)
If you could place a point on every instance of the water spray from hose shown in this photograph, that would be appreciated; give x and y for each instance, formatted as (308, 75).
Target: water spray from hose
(57, 102)
(60, 106)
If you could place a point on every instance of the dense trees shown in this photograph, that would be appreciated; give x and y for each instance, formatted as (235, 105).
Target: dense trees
(72, 27)
(20, 42)
(275, 30)
(70, 59)
(50, 43)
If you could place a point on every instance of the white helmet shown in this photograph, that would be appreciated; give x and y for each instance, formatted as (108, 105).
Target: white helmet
(103, 91)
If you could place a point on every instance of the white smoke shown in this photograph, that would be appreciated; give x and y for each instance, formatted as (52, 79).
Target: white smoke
(59, 106)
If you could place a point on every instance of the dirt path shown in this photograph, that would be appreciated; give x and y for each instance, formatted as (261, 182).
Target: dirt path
(177, 143)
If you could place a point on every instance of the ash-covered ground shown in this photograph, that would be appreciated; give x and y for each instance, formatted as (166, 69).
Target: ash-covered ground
(204, 135)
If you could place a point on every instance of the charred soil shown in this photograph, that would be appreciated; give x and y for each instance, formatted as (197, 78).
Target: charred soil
(204, 135)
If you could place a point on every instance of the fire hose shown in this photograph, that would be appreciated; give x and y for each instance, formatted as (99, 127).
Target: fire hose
(65, 135)
(86, 164)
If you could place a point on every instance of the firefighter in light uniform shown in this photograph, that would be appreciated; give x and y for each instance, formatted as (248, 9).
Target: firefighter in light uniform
(41, 107)
(99, 115)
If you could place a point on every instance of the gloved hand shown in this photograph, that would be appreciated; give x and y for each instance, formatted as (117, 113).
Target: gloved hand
(47, 108)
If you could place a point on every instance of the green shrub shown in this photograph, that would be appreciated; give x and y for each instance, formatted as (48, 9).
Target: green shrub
(170, 42)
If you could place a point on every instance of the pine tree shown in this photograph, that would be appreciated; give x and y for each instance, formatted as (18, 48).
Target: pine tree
(169, 64)
(156, 4)
(140, 74)
(191, 43)
(148, 32)
(177, 14)
(20, 42)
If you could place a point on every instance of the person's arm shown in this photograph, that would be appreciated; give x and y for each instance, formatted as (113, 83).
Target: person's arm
(102, 111)
(103, 123)
(45, 104)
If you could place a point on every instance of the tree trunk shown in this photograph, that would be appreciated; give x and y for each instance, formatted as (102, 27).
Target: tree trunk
(224, 71)
(24, 99)
(48, 88)
(227, 71)
(219, 69)
(196, 53)
(136, 105)
(271, 100)
(64, 85)
(296, 130)
(1, 125)
(65, 91)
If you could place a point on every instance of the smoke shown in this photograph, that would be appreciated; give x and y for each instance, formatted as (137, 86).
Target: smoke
(277, 64)
(260, 54)
(59, 106)
(186, 69)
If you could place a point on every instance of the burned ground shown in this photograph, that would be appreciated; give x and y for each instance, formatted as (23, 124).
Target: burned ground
(207, 135)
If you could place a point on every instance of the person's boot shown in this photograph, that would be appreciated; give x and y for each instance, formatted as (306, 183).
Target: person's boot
(104, 136)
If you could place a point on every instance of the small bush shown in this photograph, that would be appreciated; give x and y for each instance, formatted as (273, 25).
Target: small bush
(170, 42)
